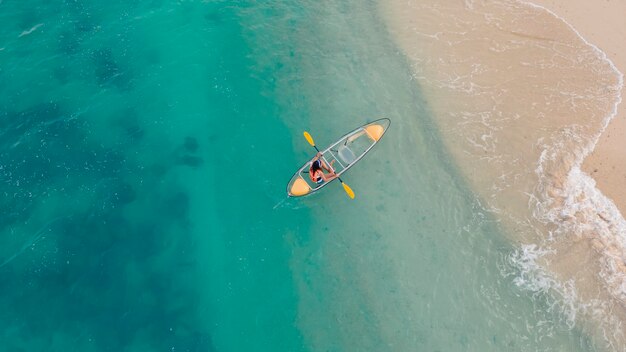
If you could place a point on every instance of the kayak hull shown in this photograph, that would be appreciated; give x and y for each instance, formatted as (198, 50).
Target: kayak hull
(345, 152)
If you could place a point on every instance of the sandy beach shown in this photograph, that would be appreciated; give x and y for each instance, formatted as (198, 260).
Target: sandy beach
(602, 24)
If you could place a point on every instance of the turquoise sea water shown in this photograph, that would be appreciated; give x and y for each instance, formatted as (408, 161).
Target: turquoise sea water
(145, 148)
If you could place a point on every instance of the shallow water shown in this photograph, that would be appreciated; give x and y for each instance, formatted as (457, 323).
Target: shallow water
(144, 153)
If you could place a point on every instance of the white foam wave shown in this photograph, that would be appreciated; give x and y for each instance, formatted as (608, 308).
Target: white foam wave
(533, 277)
(29, 31)
(569, 201)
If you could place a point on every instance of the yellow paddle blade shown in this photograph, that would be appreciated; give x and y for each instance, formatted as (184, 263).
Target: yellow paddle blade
(309, 138)
(348, 190)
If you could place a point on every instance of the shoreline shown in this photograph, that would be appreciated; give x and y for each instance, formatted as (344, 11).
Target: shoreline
(531, 170)
(600, 24)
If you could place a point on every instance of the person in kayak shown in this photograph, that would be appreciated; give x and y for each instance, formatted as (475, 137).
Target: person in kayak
(316, 171)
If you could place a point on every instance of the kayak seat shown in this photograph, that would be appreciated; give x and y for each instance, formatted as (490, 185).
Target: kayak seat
(346, 155)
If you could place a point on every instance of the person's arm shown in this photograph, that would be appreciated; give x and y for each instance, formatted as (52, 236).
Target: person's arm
(329, 177)
(327, 167)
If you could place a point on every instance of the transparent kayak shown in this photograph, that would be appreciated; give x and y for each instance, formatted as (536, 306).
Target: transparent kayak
(346, 152)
